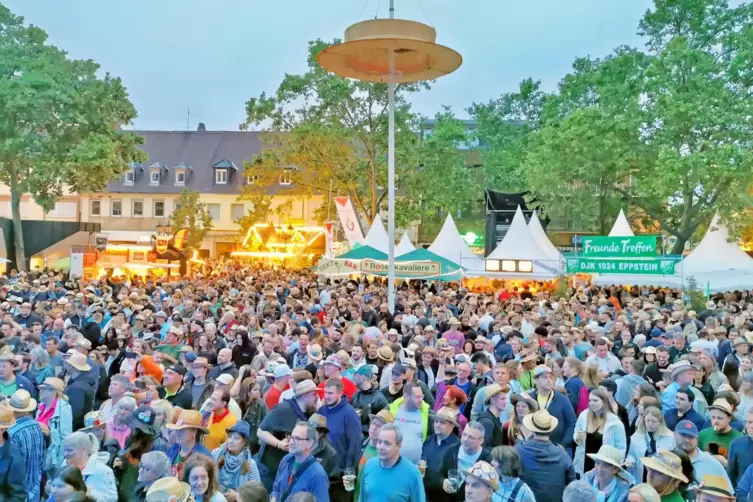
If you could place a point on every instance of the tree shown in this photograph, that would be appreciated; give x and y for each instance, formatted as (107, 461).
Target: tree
(326, 132)
(194, 215)
(59, 122)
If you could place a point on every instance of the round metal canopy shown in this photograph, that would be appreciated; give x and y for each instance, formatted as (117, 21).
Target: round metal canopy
(370, 46)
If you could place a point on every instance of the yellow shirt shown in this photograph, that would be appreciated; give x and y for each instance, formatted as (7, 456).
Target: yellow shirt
(544, 399)
(218, 430)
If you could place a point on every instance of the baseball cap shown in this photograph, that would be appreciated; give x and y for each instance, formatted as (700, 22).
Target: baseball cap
(191, 357)
(399, 368)
(225, 379)
(687, 428)
(365, 370)
(282, 370)
(176, 368)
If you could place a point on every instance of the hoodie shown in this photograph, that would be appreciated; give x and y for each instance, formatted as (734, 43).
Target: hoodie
(80, 391)
(370, 402)
(547, 469)
(344, 430)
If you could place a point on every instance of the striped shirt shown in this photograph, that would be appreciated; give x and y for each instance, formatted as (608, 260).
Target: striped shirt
(27, 438)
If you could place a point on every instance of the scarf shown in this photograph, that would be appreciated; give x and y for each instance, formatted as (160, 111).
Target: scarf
(230, 474)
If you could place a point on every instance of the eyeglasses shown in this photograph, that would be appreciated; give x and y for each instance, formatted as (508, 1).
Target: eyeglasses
(296, 439)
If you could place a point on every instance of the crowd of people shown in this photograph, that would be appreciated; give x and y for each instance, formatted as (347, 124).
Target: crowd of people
(246, 384)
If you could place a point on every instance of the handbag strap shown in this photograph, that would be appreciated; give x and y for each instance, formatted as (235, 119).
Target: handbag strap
(516, 490)
(301, 469)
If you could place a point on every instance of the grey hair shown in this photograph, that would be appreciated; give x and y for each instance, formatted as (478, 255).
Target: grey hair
(579, 491)
(476, 426)
(509, 461)
(647, 492)
(159, 461)
(85, 440)
(122, 379)
(394, 428)
(310, 430)
(127, 402)
(42, 357)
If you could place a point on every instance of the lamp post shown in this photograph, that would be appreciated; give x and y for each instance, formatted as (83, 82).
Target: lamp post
(394, 51)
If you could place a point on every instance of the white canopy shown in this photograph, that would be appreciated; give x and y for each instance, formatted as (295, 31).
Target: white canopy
(717, 262)
(519, 244)
(404, 246)
(377, 237)
(621, 227)
(539, 235)
(450, 245)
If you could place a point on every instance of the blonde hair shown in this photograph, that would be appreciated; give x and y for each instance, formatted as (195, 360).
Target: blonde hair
(596, 423)
(590, 376)
(166, 408)
(656, 413)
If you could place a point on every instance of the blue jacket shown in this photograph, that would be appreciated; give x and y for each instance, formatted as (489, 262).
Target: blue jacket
(547, 469)
(12, 474)
(24, 383)
(80, 391)
(739, 458)
(573, 386)
(745, 485)
(345, 433)
(621, 488)
(313, 480)
(563, 411)
(671, 419)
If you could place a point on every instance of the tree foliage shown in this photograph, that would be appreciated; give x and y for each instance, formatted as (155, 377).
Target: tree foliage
(665, 130)
(59, 122)
(191, 213)
(324, 131)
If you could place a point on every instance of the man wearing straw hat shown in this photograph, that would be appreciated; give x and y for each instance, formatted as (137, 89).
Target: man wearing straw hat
(80, 388)
(12, 467)
(547, 468)
(714, 489)
(26, 437)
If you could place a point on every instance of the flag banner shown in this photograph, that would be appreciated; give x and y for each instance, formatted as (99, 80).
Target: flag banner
(349, 220)
(329, 235)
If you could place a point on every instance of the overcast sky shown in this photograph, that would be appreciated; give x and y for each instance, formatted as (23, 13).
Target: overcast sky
(211, 56)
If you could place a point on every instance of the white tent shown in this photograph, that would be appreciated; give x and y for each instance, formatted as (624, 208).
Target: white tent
(539, 235)
(621, 227)
(718, 263)
(450, 245)
(404, 246)
(377, 237)
(519, 244)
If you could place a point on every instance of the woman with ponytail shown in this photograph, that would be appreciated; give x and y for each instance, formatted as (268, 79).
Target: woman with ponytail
(235, 463)
(81, 450)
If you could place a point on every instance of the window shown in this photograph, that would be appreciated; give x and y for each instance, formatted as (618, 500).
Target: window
(159, 208)
(137, 208)
(220, 176)
(237, 211)
(154, 177)
(214, 211)
(95, 209)
(116, 208)
(285, 178)
(180, 177)
(130, 176)
(250, 180)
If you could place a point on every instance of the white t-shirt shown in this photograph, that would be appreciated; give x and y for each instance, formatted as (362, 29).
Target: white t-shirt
(409, 423)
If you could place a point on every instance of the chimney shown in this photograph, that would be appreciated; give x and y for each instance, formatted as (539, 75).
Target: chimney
(202, 127)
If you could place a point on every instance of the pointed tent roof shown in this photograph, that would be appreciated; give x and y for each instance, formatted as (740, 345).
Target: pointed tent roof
(377, 237)
(715, 254)
(404, 246)
(450, 245)
(539, 235)
(621, 227)
(518, 243)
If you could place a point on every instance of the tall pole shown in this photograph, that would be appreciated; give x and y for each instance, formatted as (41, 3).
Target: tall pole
(391, 179)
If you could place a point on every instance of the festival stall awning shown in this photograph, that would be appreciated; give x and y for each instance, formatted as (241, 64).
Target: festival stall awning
(539, 235)
(621, 227)
(450, 245)
(363, 253)
(377, 237)
(404, 246)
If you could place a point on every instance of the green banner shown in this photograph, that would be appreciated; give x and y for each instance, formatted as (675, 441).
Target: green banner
(655, 266)
(619, 247)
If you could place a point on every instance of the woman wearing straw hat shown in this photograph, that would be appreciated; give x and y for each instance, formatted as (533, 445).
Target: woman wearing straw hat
(595, 427)
(514, 431)
(185, 444)
(12, 467)
(55, 418)
(665, 475)
(608, 478)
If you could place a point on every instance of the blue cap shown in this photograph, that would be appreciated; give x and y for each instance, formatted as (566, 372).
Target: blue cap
(365, 370)
(687, 428)
(191, 356)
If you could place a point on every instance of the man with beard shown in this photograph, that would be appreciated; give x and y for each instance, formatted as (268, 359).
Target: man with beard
(368, 400)
(717, 438)
(655, 371)
(278, 424)
(686, 439)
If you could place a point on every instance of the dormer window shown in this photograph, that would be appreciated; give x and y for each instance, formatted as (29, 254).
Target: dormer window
(285, 178)
(130, 177)
(222, 171)
(154, 177)
(181, 172)
(220, 176)
(130, 174)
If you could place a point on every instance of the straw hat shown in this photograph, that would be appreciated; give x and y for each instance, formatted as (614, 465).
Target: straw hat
(529, 356)
(383, 415)
(78, 361)
(679, 368)
(55, 384)
(609, 455)
(168, 490)
(447, 414)
(666, 463)
(540, 421)
(92, 420)
(526, 398)
(484, 471)
(314, 351)
(385, 354)
(304, 387)
(455, 322)
(319, 422)
(715, 485)
(188, 419)
(491, 391)
(21, 402)
(10, 358)
(722, 405)
(7, 420)
(201, 361)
